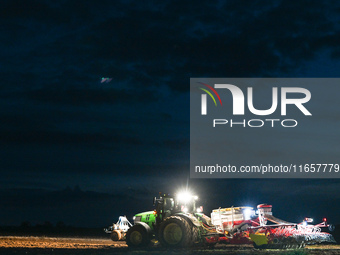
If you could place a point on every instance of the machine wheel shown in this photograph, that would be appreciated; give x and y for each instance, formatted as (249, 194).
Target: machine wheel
(175, 232)
(138, 236)
(116, 235)
(263, 246)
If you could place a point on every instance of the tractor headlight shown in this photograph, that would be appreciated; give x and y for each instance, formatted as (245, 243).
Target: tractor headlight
(184, 197)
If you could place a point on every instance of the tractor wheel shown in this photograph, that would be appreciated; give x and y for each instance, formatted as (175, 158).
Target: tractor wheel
(175, 232)
(116, 235)
(137, 236)
(194, 234)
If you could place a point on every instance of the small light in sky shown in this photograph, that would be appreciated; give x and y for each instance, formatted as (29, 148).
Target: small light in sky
(105, 80)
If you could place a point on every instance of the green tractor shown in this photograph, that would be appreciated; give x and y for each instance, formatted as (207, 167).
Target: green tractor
(175, 223)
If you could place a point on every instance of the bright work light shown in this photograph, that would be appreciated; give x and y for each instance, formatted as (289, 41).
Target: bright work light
(248, 213)
(184, 197)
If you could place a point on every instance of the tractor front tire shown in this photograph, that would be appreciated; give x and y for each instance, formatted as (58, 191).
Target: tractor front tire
(116, 235)
(137, 236)
(175, 232)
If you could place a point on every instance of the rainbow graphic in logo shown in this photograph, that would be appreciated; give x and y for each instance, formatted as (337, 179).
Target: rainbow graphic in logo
(204, 97)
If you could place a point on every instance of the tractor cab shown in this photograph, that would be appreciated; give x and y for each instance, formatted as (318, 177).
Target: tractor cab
(164, 206)
(167, 205)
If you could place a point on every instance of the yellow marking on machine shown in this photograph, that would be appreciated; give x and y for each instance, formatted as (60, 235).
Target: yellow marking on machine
(259, 239)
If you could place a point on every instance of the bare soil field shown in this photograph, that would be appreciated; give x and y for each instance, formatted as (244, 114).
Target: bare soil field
(91, 246)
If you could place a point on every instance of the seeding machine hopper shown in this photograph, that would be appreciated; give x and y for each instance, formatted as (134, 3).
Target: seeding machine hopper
(243, 225)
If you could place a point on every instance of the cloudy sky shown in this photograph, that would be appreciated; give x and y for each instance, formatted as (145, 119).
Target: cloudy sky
(110, 147)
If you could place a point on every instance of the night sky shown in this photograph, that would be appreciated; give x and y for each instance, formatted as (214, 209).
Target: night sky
(83, 152)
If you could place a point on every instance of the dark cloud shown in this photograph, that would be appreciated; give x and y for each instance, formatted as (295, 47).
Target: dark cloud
(177, 144)
(28, 9)
(91, 96)
(63, 138)
(71, 205)
(165, 43)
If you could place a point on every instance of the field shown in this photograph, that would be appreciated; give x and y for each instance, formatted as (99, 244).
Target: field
(97, 246)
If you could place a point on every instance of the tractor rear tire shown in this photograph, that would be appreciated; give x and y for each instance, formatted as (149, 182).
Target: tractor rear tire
(194, 235)
(175, 232)
(116, 235)
(138, 236)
